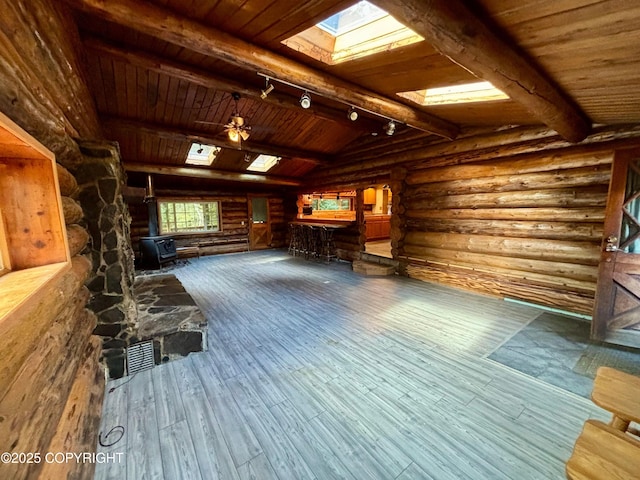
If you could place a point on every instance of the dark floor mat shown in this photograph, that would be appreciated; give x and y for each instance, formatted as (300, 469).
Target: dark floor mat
(620, 358)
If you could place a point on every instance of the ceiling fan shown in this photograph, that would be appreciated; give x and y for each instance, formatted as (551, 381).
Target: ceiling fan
(236, 128)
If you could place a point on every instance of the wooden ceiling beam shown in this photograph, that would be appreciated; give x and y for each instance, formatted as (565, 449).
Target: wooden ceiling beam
(186, 135)
(179, 71)
(162, 23)
(456, 32)
(210, 174)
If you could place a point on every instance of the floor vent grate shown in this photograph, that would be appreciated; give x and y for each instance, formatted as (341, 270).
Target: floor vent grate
(139, 357)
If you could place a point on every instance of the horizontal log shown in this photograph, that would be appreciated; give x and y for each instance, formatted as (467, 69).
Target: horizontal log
(210, 174)
(71, 210)
(520, 267)
(574, 197)
(78, 428)
(78, 237)
(560, 178)
(66, 181)
(197, 136)
(507, 228)
(493, 285)
(544, 162)
(228, 248)
(584, 214)
(583, 253)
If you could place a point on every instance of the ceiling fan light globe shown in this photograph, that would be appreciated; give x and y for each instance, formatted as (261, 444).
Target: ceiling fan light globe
(233, 135)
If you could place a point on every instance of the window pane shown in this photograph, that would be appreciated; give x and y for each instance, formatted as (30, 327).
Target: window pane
(185, 217)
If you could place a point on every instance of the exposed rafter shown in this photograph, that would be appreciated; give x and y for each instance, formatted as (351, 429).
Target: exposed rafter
(456, 32)
(210, 174)
(185, 135)
(164, 24)
(206, 79)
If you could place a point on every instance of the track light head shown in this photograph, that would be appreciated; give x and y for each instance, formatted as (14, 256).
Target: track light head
(305, 100)
(268, 89)
(390, 128)
(352, 114)
(200, 150)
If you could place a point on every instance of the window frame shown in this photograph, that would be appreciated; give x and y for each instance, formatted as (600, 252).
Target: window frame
(188, 200)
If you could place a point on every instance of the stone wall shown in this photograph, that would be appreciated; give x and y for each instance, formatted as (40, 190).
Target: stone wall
(101, 180)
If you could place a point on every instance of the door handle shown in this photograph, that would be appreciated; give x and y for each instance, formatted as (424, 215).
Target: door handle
(612, 244)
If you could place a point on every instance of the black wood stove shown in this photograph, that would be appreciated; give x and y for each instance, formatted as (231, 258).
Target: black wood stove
(156, 251)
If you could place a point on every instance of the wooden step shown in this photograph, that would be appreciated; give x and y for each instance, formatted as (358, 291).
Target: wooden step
(369, 268)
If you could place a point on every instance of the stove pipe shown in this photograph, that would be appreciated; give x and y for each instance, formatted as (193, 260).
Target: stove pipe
(152, 207)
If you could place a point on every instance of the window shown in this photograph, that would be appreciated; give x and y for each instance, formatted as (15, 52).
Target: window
(331, 204)
(360, 30)
(186, 216)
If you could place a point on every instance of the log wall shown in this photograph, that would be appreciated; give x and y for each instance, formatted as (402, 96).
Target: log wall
(522, 227)
(51, 384)
(234, 235)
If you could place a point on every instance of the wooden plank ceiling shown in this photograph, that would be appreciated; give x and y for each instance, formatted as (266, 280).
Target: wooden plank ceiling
(153, 95)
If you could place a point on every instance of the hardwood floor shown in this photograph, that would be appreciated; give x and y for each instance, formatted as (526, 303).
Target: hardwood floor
(314, 372)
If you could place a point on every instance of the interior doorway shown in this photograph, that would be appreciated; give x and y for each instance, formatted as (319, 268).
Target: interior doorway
(259, 223)
(377, 219)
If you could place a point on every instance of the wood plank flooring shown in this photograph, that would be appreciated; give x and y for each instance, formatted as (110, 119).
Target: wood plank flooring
(314, 372)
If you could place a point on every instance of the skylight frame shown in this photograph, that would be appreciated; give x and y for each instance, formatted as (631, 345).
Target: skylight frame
(204, 159)
(377, 33)
(263, 163)
(475, 92)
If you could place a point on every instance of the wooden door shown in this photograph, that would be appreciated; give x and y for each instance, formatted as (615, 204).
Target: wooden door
(259, 225)
(617, 309)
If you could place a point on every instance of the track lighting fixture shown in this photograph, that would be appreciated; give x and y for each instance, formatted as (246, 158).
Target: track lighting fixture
(305, 100)
(390, 128)
(352, 114)
(200, 150)
(268, 88)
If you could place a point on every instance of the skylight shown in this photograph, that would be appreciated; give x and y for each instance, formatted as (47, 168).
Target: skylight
(203, 155)
(468, 93)
(360, 30)
(351, 18)
(263, 163)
